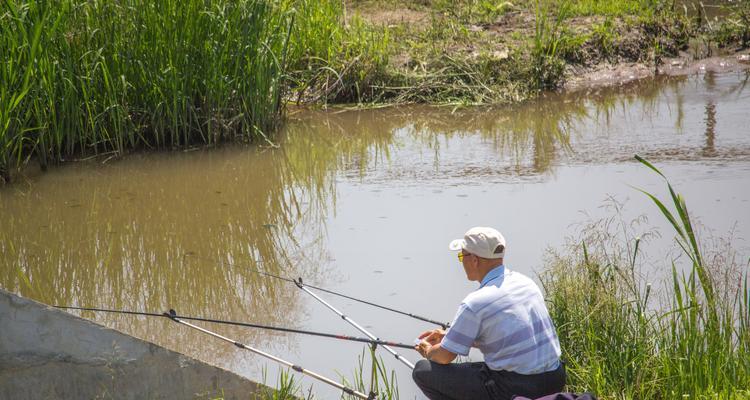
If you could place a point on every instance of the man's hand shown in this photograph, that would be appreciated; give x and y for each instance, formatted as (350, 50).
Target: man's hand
(423, 348)
(432, 337)
(429, 347)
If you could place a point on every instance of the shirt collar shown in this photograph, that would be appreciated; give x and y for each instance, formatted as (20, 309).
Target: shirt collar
(494, 273)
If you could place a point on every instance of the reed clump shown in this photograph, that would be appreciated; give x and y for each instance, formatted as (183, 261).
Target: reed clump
(623, 337)
(102, 77)
(81, 78)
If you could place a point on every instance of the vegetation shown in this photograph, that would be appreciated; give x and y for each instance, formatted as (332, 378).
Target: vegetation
(621, 339)
(380, 382)
(82, 78)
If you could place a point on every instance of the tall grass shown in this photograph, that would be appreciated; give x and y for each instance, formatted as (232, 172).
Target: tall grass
(92, 77)
(547, 65)
(621, 339)
(336, 58)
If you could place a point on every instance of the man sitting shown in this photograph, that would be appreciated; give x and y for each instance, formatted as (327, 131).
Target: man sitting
(506, 319)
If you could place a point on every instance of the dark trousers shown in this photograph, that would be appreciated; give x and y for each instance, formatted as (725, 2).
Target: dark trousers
(464, 381)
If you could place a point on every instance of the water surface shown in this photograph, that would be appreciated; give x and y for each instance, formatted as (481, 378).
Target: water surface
(365, 202)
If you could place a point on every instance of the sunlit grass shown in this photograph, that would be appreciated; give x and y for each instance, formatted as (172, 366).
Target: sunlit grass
(368, 377)
(82, 77)
(624, 337)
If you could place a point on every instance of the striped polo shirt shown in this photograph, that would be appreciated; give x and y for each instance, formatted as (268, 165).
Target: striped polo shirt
(507, 320)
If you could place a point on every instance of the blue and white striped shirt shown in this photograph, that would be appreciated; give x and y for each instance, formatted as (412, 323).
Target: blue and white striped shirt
(507, 320)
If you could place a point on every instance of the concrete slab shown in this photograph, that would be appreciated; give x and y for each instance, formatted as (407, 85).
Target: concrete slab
(49, 354)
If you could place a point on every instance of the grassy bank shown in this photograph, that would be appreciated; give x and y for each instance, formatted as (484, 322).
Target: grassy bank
(624, 337)
(483, 51)
(100, 78)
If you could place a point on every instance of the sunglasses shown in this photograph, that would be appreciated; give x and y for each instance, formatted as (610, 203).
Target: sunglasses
(462, 255)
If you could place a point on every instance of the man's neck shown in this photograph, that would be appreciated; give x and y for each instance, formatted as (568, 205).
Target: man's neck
(486, 270)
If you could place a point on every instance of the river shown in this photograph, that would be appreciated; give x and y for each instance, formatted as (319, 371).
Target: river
(365, 202)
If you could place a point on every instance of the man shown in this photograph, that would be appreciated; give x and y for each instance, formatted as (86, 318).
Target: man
(506, 319)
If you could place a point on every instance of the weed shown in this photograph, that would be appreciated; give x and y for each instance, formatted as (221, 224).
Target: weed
(619, 341)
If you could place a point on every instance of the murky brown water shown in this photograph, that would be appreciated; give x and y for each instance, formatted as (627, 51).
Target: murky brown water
(364, 202)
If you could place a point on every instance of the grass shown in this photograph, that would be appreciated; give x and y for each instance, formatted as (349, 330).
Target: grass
(732, 31)
(101, 77)
(81, 78)
(482, 51)
(622, 337)
(382, 383)
(84, 78)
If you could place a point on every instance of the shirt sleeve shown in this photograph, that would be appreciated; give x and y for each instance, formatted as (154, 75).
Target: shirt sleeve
(463, 331)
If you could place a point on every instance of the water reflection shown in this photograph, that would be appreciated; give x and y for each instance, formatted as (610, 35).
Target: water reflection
(652, 117)
(155, 231)
(709, 150)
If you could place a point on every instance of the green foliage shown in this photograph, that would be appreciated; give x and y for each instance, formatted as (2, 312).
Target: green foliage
(97, 77)
(613, 8)
(335, 58)
(621, 342)
(547, 66)
(382, 383)
(287, 388)
(604, 37)
(735, 28)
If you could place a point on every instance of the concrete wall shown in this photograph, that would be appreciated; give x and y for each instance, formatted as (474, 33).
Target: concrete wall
(49, 354)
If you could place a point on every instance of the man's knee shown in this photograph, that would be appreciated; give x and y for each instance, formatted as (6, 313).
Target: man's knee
(421, 372)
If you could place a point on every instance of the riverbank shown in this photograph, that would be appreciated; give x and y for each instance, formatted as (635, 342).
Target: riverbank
(338, 202)
(479, 52)
(467, 53)
(85, 80)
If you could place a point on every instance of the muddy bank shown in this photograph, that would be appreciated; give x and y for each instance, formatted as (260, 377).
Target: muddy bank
(618, 74)
(480, 53)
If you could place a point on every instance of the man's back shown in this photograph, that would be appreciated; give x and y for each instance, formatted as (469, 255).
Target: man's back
(507, 320)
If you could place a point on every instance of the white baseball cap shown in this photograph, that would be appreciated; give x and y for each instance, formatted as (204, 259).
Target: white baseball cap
(481, 241)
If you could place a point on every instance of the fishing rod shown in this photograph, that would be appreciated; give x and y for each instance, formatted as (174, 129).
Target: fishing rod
(174, 317)
(444, 325)
(251, 325)
(356, 325)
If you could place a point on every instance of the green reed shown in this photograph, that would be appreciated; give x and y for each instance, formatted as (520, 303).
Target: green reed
(96, 77)
(382, 383)
(623, 339)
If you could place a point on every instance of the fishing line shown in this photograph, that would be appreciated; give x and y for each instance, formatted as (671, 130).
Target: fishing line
(370, 341)
(444, 325)
(174, 317)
